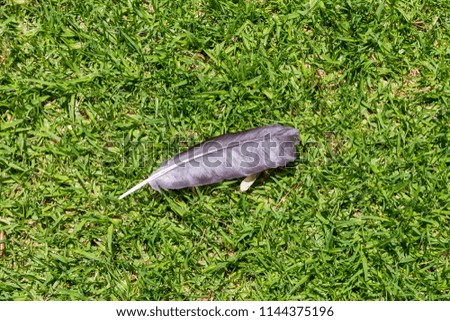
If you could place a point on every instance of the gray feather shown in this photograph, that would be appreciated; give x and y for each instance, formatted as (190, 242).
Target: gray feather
(226, 157)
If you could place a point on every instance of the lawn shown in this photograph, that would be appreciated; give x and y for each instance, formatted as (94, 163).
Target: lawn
(94, 95)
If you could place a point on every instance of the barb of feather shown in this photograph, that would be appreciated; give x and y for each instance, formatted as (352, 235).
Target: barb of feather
(248, 181)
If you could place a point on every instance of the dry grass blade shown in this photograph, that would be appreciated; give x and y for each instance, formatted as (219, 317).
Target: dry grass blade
(2, 244)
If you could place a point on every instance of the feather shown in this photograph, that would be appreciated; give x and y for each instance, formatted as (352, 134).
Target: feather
(226, 157)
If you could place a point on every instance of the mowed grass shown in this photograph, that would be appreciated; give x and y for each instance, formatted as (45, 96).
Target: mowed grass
(94, 95)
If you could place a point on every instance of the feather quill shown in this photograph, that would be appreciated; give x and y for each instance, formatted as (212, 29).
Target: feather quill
(226, 157)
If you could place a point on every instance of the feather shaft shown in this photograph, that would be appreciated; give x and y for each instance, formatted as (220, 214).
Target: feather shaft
(158, 174)
(135, 188)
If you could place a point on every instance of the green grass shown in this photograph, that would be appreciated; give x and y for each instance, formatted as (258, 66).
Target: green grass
(91, 92)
